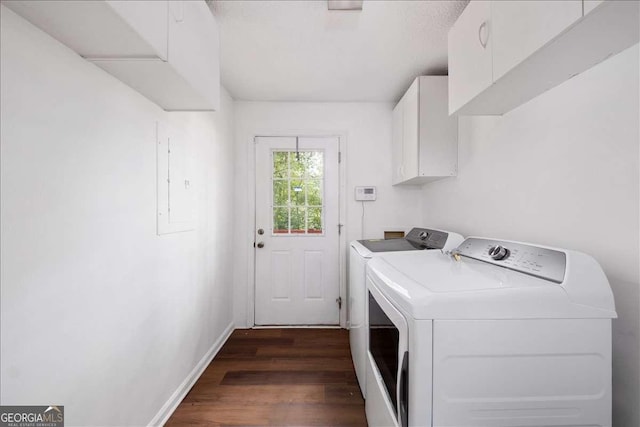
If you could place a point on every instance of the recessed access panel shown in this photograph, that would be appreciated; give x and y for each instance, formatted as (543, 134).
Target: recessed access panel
(524, 372)
(175, 186)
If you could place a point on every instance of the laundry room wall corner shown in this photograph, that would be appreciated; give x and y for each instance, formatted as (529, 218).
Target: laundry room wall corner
(98, 311)
(563, 170)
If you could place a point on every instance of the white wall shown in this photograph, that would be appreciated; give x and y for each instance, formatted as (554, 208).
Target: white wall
(562, 170)
(368, 162)
(98, 312)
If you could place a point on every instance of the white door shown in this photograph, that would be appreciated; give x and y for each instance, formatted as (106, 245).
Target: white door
(296, 235)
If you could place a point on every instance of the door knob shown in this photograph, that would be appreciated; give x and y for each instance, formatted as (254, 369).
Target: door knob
(260, 231)
(261, 245)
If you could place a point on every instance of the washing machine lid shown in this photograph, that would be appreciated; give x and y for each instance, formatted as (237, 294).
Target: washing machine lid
(360, 249)
(433, 285)
(389, 245)
(417, 239)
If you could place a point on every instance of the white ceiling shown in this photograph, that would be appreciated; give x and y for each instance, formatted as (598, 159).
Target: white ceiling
(299, 51)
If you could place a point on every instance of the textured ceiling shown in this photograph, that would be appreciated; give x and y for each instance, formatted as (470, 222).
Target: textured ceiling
(300, 51)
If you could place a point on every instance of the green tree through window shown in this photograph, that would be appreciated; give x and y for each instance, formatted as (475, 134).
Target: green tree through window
(297, 192)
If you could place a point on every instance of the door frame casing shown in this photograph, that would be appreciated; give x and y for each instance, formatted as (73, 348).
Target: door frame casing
(251, 217)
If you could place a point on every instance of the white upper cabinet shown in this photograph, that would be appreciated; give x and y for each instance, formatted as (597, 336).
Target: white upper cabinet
(411, 131)
(147, 20)
(101, 29)
(589, 5)
(194, 47)
(396, 154)
(166, 50)
(189, 80)
(470, 44)
(531, 47)
(522, 27)
(425, 137)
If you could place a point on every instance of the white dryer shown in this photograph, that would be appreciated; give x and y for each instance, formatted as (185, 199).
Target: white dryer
(499, 334)
(361, 252)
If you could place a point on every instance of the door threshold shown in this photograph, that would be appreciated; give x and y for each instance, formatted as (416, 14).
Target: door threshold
(296, 327)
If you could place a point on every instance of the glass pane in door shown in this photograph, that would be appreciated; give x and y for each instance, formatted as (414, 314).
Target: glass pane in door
(297, 192)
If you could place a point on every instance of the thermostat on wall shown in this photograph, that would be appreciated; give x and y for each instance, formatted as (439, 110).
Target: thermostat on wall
(365, 194)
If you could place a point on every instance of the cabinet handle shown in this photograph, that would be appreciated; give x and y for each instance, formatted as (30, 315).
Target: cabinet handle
(482, 29)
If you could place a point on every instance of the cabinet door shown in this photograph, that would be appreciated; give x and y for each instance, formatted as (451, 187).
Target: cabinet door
(438, 131)
(148, 19)
(396, 144)
(411, 131)
(101, 29)
(522, 27)
(194, 47)
(470, 44)
(589, 5)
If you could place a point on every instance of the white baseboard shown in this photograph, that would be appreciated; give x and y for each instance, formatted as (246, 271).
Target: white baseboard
(172, 404)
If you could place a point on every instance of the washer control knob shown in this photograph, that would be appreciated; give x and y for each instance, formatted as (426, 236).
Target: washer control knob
(423, 235)
(498, 252)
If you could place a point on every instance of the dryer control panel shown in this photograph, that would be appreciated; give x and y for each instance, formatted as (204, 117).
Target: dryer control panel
(425, 238)
(544, 263)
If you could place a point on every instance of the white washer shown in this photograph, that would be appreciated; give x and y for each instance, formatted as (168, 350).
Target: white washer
(361, 252)
(509, 334)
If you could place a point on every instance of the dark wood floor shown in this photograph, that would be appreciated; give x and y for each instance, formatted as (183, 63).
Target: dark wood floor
(295, 377)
